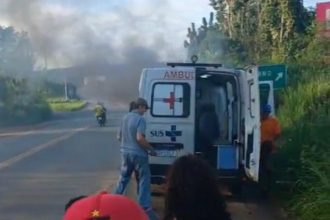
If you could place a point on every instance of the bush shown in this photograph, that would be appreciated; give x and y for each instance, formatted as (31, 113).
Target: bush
(19, 104)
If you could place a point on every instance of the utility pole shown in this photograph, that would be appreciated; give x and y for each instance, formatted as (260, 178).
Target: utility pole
(66, 90)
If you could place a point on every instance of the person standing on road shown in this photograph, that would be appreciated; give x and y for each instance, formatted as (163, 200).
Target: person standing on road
(270, 131)
(135, 149)
(136, 173)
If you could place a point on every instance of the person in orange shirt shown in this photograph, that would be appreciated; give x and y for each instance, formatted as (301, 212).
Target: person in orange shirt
(270, 127)
(270, 131)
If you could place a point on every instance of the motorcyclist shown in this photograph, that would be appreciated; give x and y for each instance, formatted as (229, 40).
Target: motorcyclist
(100, 111)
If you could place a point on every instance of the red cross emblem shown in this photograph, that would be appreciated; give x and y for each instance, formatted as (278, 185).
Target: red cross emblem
(171, 100)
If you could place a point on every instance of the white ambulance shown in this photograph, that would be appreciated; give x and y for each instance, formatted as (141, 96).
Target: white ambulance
(176, 94)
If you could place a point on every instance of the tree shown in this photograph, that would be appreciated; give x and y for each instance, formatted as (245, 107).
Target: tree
(16, 53)
(255, 30)
(213, 45)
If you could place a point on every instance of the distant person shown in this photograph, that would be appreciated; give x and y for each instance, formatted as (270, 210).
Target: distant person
(135, 149)
(103, 206)
(208, 132)
(100, 111)
(270, 131)
(192, 192)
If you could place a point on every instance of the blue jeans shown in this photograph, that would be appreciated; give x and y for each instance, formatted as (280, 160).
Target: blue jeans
(131, 162)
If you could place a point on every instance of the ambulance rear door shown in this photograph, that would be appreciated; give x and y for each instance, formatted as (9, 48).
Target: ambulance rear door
(170, 92)
(251, 123)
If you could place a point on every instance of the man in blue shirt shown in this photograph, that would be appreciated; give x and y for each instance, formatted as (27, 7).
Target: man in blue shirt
(135, 149)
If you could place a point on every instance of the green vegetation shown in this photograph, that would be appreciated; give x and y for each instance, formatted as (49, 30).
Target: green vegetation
(19, 104)
(62, 105)
(22, 96)
(281, 31)
(16, 54)
(304, 156)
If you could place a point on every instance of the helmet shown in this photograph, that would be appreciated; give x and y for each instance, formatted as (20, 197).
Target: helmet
(266, 108)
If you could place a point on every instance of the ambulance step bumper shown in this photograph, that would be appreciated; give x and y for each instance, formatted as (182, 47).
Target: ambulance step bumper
(158, 173)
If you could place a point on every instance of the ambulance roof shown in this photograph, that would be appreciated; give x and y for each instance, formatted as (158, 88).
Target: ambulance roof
(190, 68)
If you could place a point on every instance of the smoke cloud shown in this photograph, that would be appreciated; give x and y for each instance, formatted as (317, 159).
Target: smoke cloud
(115, 40)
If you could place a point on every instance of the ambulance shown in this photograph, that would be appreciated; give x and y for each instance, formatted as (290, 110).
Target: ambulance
(176, 94)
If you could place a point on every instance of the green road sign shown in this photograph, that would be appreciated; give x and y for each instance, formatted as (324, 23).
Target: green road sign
(276, 73)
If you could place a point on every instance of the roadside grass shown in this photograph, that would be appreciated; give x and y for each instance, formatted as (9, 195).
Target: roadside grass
(303, 159)
(313, 201)
(61, 105)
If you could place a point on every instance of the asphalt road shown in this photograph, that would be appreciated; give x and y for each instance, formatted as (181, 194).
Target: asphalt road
(42, 167)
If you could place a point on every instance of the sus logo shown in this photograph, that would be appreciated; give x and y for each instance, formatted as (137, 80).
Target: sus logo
(157, 133)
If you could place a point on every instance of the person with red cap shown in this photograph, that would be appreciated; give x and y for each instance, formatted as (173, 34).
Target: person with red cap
(103, 206)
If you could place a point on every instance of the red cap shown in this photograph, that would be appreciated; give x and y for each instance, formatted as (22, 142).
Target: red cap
(105, 206)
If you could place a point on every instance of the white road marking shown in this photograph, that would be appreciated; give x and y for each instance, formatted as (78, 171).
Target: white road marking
(55, 131)
(32, 151)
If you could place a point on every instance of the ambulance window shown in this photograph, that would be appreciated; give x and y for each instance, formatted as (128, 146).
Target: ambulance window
(264, 90)
(170, 100)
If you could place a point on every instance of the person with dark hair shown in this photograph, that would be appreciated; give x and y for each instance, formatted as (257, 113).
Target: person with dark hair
(192, 192)
(208, 132)
(103, 206)
(135, 149)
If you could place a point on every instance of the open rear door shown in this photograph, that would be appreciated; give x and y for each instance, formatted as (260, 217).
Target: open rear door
(266, 90)
(252, 124)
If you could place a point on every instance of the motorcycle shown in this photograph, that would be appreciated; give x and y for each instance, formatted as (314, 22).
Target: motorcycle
(101, 121)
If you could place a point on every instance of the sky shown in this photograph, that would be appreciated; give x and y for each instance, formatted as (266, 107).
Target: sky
(312, 3)
(69, 32)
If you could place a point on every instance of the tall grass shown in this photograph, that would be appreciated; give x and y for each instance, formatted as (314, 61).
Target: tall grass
(304, 156)
(302, 101)
(313, 201)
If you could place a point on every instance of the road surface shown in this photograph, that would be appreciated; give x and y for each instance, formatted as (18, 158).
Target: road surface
(42, 167)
